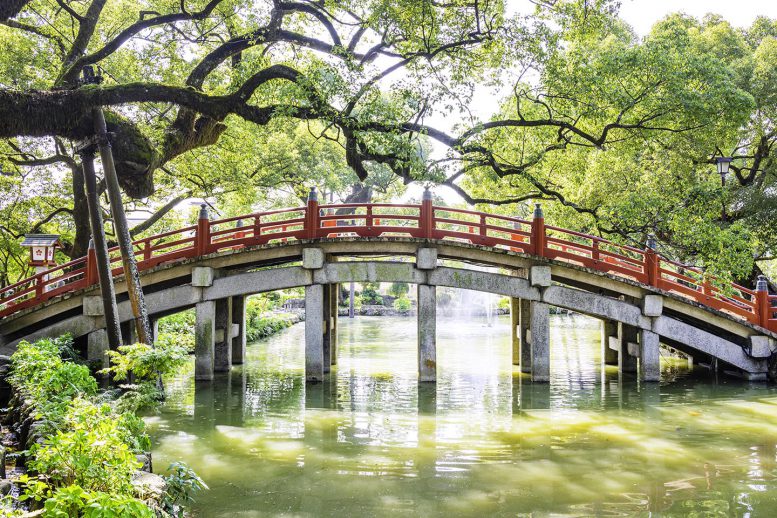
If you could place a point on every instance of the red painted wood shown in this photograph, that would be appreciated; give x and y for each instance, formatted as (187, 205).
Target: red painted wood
(424, 221)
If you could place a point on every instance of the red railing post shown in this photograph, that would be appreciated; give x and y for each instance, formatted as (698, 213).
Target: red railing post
(538, 236)
(311, 215)
(483, 229)
(595, 250)
(651, 261)
(39, 282)
(202, 236)
(91, 275)
(762, 303)
(146, 250)
(426, 215)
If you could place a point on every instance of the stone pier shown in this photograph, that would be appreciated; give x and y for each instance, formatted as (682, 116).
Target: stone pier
(334, 302)
(515, 331)
(204, 340)
(222, 359)
(314, 333)
(97, 347)
(649, 357)
(609, 331)
(238, 329)
(427, 333)
(524, 317)
(327, 327)
(539, 333)
(627, 361)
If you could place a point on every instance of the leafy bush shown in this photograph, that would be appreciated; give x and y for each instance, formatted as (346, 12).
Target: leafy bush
(87, 459)
(262, 326)
(90, 451)
(370, 295)
(145, 362)
(403, 304)
(46, 381)
(399, 289)
(182, 483)
(504, 303)
(73, 501)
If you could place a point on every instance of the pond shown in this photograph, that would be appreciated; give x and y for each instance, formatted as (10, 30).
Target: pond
(484, 441)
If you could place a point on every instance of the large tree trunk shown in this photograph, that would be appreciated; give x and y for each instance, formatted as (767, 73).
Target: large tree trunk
(83, 231)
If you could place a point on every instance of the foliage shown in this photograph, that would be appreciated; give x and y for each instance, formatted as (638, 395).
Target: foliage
(403, 304)
(399, 289)
(73, 502)
(504, 303)
(146, 362)
(182, 482)
(86, 459)
(264, 325)
(46, 381)
(369, 294)
(90, 451)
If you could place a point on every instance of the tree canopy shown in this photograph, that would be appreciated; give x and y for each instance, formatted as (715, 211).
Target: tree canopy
(251, 103)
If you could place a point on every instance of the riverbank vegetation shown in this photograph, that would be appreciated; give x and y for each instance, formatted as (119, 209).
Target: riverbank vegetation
(84, 449)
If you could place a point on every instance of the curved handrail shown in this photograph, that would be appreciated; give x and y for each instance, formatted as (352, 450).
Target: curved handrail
(315, 221)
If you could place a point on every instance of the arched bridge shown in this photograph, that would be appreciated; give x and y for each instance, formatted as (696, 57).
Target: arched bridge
(642, 298)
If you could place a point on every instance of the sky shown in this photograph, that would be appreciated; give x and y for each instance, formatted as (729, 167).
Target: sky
(642, 14)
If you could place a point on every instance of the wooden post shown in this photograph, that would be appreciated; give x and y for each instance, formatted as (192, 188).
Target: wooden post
(131, 275)
(202, 235)
(426, 216)
(92, 277)
(651, 262)
(102, 259)
(762, 303)
(311, 215)
(538, 237)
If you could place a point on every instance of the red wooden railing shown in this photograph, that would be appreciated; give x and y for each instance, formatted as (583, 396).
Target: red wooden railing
(424, 221)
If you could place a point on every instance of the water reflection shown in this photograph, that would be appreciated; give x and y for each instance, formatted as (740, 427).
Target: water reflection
(483, 441)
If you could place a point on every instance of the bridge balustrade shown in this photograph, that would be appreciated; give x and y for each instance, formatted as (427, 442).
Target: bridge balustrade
(424, 221)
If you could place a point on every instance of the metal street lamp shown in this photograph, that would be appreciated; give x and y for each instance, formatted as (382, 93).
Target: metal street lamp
(723, 163)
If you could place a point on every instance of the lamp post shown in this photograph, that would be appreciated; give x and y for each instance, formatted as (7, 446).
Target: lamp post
(723, 163)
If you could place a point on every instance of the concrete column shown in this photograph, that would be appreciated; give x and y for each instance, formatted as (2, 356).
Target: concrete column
(239, 324)
(539, 329)
(327, 327)
(97, 347)
(609, 355)
(335, 302)
(129, 332)
(222, 360)
(427, 333)
(314, 333)
(649, 357)
(155, 329)
(626, 334)
(515, 331)
(204, 340)
(524, 318)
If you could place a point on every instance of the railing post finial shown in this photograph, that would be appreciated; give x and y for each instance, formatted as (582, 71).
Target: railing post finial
(204, 212)
(91, 244)
(762, 284)
(313, 194)
(427, 194)
(650, 242)
(538, 211)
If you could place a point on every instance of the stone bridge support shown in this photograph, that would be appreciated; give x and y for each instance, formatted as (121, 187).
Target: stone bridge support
(609, 331)
(238, 329)
(520, 310)
(317, 358)
(222, 359)
(539, 326)
(426, 260)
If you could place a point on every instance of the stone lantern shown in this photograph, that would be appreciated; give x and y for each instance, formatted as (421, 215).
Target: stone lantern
(42, 248)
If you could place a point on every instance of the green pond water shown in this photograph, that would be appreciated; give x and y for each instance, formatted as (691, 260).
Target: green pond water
(484, 441)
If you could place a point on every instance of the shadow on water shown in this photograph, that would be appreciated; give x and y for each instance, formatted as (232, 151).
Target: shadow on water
(485, 440)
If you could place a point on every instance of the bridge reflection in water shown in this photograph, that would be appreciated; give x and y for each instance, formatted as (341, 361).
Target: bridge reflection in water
(484, 440)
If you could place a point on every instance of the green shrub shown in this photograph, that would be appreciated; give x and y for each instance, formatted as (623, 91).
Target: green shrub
(370, 295)
(73, 501)
(504, 303)
(49, 383)
(403, 304)
(145, 362)
(399, 289)
(90, 451)
(182, 482)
